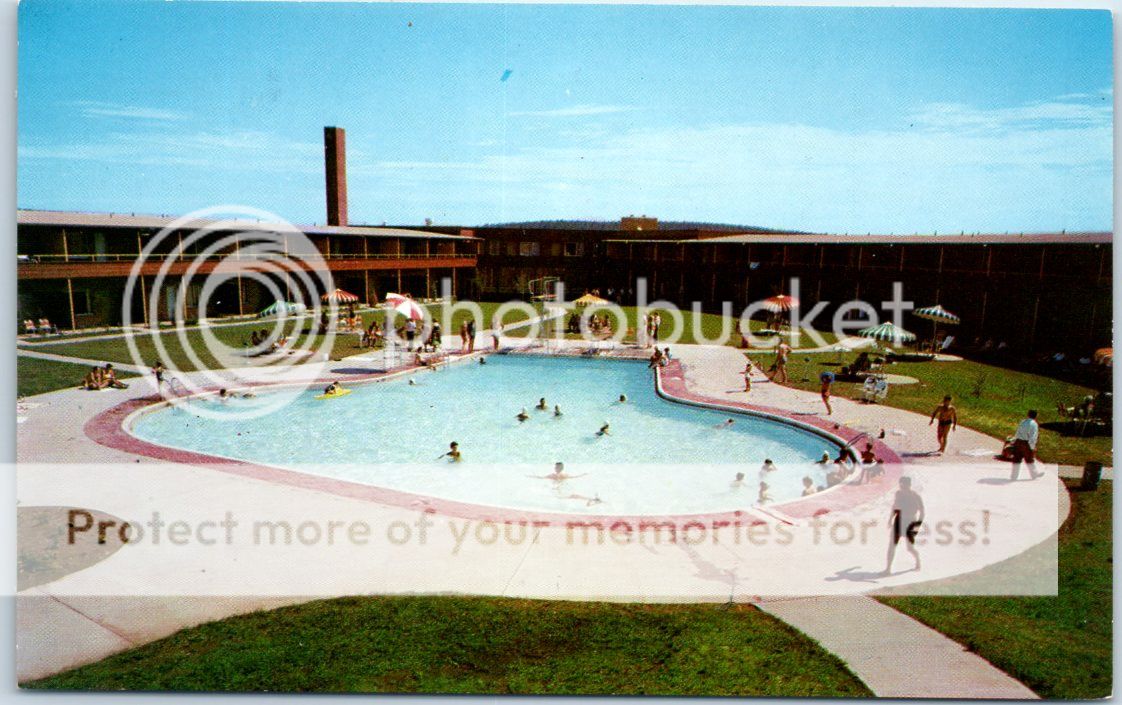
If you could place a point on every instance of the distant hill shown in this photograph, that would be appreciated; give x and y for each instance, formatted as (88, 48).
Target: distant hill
(614, 225)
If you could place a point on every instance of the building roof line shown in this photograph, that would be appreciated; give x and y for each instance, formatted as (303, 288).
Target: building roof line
(147, 221)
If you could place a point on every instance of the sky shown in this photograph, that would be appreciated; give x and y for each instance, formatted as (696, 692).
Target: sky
(822, 119)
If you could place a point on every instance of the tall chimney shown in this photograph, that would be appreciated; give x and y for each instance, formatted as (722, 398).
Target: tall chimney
(335, 162)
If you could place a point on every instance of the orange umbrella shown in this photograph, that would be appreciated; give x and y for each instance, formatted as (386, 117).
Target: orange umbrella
(781, 303)
(1105, 356)
(340, 297)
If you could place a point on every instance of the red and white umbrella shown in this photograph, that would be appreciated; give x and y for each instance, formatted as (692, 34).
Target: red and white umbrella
(339, 297)
(405, 306)
(781, 303)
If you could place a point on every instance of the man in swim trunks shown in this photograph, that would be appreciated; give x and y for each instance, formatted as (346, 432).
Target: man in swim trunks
(947, 416)
(827, 378)
(781, 354)
(905, 520)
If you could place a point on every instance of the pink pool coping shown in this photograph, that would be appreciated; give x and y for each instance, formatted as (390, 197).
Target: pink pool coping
(108, 428)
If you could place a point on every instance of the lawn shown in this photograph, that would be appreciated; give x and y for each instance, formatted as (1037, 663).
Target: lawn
(235, 336)
(481, 645)
(35, 376)
(1060, 646)
(992, 400)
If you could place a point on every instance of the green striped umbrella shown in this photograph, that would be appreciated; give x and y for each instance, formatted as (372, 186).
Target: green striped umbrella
(887, 331)
(937, 314)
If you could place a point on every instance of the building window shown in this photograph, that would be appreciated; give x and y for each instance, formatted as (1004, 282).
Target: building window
(574, 249)
(494, 247)
(529, 249)
(82, 302)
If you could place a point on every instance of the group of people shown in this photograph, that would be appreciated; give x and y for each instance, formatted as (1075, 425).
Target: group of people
(659, 358)
(652, 323)
(260, 342)
(102, 378)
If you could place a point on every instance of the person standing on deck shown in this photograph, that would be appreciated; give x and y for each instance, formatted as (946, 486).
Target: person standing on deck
(947, 416)
(1024, 446)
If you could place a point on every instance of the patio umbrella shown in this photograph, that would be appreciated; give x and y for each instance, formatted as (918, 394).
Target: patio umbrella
(781, 303)
(1104, 357)
(405, 306)
(281, 308)
(590, 300)
(887, 331)
(339, 297)
(937, 314)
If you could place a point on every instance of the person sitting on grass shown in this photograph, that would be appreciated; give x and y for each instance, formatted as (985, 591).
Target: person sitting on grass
(94, 379)
(110, 377)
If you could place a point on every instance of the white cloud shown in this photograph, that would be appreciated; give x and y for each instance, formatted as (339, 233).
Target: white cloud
(93, 109)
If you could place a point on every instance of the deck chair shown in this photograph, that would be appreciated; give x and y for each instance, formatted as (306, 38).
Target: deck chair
(45, 326)
(29, 326)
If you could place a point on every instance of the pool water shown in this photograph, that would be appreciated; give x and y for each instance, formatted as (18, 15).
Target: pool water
(659, 458)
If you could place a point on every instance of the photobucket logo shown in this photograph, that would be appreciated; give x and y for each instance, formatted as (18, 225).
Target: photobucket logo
(182, 269)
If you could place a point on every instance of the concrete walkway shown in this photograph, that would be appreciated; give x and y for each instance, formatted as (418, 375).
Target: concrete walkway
(893, 654)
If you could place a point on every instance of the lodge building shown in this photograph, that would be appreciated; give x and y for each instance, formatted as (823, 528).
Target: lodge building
(1036, 291)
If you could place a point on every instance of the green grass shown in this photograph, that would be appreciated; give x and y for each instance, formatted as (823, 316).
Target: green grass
(35, 376)
(1059, 646)
(992, 400)
(480, 645)
(236, 336)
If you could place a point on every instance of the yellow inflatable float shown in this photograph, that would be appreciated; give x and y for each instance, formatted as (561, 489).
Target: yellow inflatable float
(338, 393)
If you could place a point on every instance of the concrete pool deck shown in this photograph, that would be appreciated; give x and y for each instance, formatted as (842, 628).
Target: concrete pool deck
(102, 610)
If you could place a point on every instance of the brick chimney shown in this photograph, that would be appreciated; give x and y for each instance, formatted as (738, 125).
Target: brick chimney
(335, 162)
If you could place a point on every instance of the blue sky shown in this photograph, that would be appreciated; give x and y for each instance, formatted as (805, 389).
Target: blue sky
(824, 119)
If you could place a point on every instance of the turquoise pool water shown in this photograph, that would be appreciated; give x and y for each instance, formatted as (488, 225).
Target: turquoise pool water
(658, 458)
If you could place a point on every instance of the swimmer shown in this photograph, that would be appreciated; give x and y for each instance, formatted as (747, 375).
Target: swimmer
(622, 398)
(738, 481)
(604, 430)
(412, 382)
(542, 406)
(768, 466)
(557, 411)
(333, 388)
(725, 424)
(764, 496)
(453, 452)
(522, 415)
(808, 487)
(825, 459)
(558, 475)
(223, 394)
(482, 361)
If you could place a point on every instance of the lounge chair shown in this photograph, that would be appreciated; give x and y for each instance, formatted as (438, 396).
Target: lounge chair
(45, 326)
(29, 327)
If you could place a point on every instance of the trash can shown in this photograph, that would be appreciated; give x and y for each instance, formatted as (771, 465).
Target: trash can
(1092, 472)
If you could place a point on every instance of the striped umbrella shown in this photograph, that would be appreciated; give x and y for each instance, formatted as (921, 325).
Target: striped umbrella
(404, 305)
(937, 314)
(887, 331)
(781, 303)
(340, 297)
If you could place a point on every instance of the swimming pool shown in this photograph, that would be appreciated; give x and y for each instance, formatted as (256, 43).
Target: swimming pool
(659, 458)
